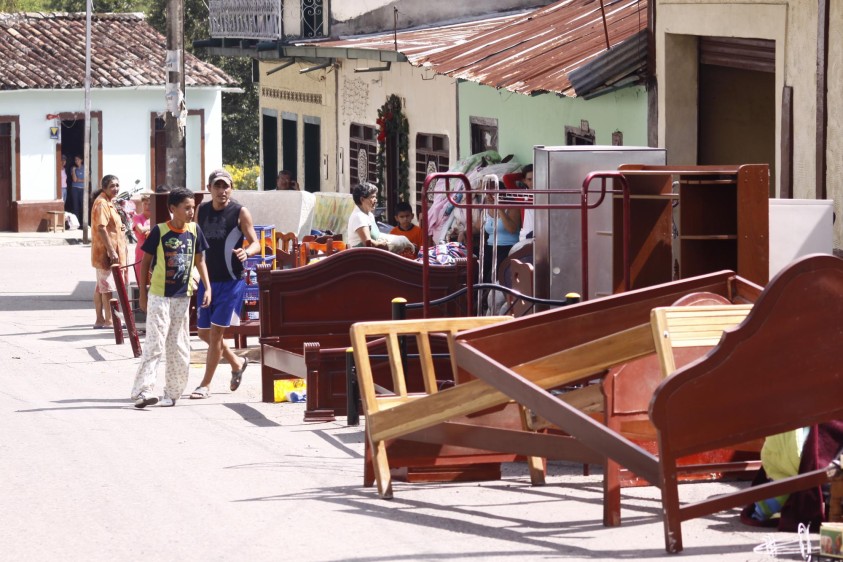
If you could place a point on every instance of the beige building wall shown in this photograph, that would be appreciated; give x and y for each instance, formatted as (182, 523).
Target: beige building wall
(792, 24)
(429, 105)
(679, 24)
(309, 95)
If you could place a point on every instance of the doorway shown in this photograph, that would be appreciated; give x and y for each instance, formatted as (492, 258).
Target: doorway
(270, 150)
(312, 154)
(7, 169)
(737, 102)
(290, 145)
(73, 141)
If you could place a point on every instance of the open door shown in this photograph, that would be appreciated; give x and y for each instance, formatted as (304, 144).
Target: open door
(7, 167)
(312, 154)
(270, 150)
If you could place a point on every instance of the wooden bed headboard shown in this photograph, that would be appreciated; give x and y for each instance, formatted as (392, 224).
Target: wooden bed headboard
(782, 369)
(326, 297)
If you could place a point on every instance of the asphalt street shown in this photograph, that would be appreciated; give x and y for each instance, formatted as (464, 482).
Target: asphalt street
(86, 476)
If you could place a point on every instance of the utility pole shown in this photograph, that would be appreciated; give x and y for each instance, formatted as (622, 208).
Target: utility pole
(175, 118)
(86, 155)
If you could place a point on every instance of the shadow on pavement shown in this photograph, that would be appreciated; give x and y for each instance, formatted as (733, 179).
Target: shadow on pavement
(81, 298)
(251, 415)
(540, 535)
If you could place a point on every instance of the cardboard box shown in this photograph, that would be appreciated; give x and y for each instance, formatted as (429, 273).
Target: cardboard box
(831, 540)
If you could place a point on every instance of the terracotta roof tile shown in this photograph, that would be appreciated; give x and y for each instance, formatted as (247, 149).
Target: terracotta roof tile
(40, 51)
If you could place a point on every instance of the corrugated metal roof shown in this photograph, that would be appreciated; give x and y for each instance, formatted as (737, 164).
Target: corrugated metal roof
(528, 53)
(535, 53)
(624, 63)
(417, 44)
(46, 51)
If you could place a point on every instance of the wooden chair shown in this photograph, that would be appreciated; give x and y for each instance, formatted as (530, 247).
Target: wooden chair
(311, 249)
(286, 250)
(694, 329)
(377, 406)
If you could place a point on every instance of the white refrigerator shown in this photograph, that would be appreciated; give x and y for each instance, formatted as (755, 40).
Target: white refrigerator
(557, 233)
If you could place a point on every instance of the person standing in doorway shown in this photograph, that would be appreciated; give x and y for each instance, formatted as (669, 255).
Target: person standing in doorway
(226, 225)
(77, 188)
(108, 247)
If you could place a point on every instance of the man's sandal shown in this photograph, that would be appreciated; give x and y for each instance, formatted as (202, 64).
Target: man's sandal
(237, 376)
(200, 392)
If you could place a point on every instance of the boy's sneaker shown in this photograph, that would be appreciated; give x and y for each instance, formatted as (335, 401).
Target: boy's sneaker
(145, 400)
(166, 402)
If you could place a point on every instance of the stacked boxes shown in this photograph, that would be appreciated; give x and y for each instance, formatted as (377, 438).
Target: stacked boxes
(266, 237)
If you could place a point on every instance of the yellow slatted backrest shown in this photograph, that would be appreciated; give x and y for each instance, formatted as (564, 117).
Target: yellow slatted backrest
(392, 330)
(691, 326)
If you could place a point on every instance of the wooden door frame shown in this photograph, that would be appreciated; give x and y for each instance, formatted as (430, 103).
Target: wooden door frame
(155, 115)
(15, 119)
(80, 116)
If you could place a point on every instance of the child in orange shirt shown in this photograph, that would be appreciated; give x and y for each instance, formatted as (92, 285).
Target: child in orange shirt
(404, 218)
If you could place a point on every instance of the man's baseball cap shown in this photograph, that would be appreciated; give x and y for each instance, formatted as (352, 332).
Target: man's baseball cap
(219, 174)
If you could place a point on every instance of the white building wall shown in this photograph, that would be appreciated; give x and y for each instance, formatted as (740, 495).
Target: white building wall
(289, 93)
(125, 132)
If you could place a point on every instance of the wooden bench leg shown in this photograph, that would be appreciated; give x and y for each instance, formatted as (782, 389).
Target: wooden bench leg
(381, 468)
(536, 465)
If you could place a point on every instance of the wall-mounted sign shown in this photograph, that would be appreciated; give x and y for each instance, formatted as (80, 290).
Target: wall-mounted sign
(54, 133)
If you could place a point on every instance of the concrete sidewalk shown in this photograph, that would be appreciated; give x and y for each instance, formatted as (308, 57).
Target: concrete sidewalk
(86, 476)
(68, 237)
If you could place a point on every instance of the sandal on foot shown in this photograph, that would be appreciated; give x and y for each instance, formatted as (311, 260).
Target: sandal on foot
(237, 376)
(200, 392)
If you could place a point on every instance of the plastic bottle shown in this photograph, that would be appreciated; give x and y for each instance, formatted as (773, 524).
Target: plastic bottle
(296, 396)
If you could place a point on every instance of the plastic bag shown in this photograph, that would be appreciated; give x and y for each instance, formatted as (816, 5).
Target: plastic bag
(285, 387)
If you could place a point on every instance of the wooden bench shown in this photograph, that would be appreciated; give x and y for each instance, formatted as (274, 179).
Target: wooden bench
(381, 456)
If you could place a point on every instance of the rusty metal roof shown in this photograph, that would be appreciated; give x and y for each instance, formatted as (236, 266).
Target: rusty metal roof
(417, 44)
(530, 52)
(47, 51)
(535, 53)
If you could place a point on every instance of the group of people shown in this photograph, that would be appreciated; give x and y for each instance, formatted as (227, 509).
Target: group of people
(172, 254)
(203, 250)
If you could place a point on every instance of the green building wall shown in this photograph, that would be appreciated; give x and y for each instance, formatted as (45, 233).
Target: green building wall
(527, 121)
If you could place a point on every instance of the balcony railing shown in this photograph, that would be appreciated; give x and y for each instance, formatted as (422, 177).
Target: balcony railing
(267, 20)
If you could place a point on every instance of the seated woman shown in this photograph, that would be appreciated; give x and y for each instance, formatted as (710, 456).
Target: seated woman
(362, 227)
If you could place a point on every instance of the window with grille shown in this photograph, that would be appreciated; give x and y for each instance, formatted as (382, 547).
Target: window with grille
(312, 18)
(431, 157)
(362, 153)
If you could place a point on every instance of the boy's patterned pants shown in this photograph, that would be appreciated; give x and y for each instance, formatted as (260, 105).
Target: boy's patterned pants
(167, 334)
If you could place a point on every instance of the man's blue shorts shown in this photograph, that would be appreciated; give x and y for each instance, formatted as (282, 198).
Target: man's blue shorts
(226, 301)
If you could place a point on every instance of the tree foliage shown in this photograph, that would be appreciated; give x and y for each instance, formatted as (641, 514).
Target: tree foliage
(239, 111)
